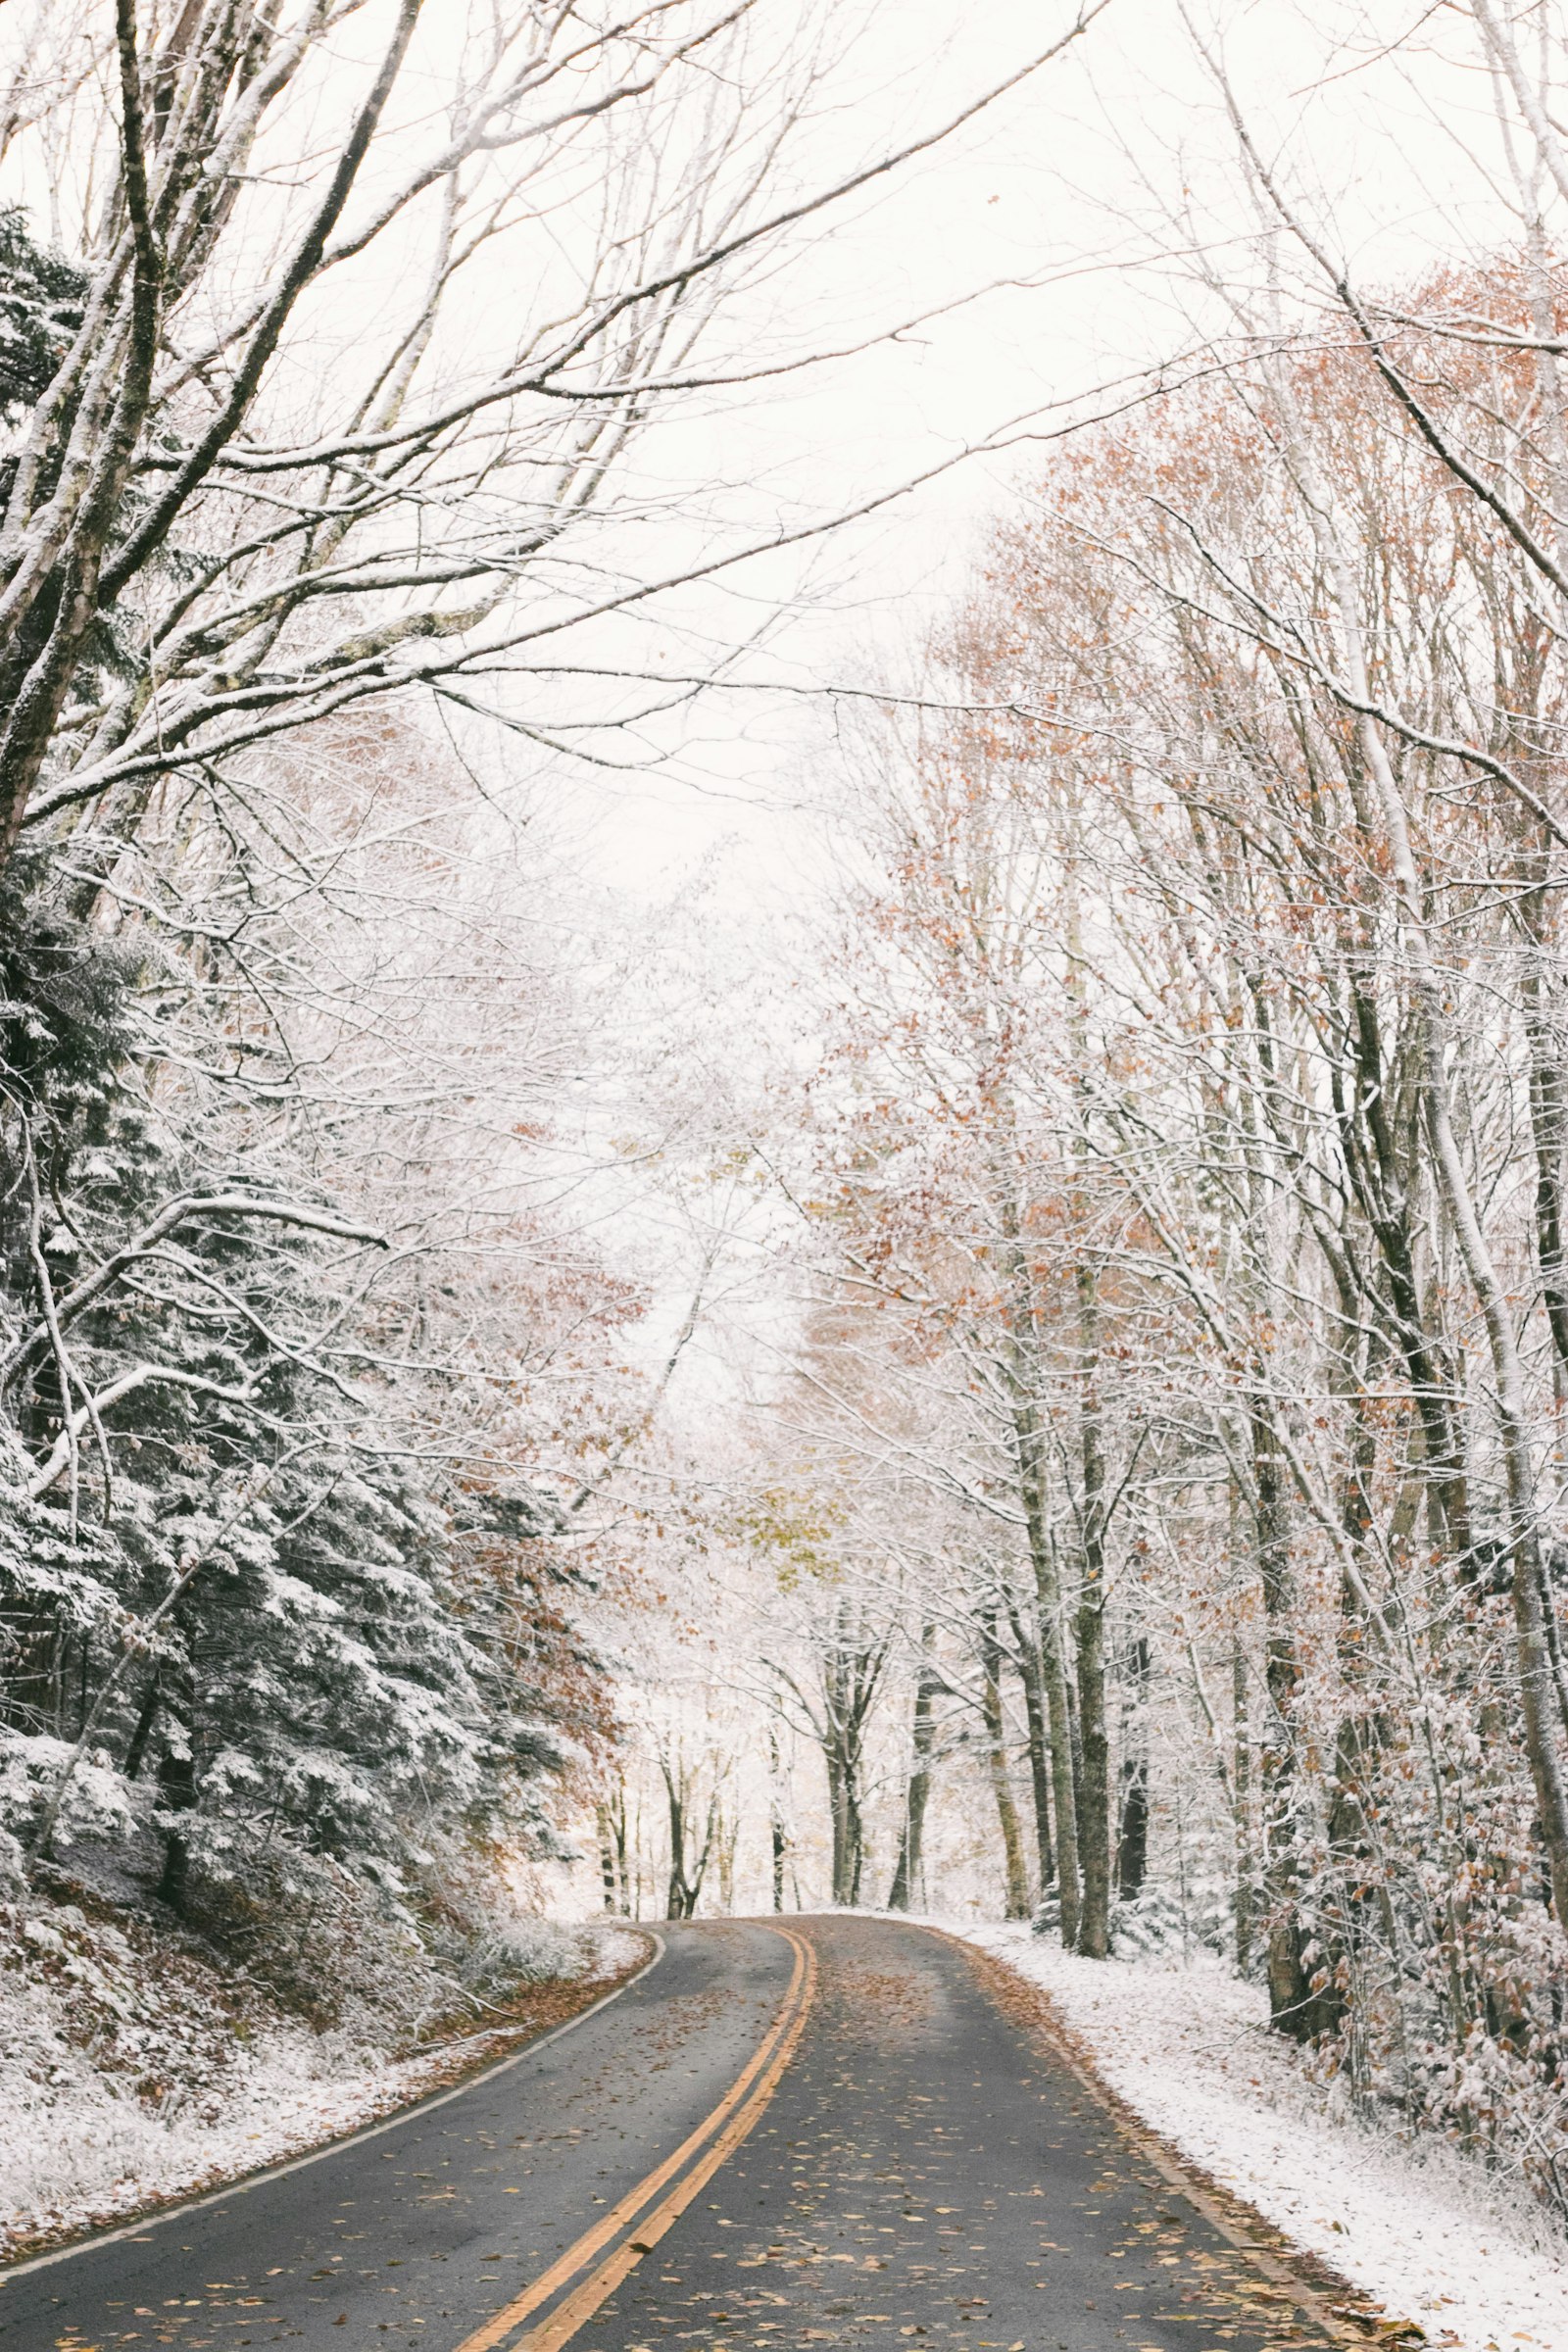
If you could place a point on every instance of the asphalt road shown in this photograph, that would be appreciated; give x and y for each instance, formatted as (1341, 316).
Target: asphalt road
(830, 2135)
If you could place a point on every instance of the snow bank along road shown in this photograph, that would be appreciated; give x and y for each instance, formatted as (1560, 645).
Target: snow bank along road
(820, 2132)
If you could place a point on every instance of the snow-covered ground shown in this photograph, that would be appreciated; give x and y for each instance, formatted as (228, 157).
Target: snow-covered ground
(126, 2080)
(1429, 2237)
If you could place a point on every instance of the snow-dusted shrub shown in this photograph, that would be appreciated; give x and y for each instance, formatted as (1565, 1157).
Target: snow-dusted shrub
(97, 1803)
(531, 1951)
(1154, 1923)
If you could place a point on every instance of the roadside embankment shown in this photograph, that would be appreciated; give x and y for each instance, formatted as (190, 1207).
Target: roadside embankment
(137, 2068)
(1422, 2230)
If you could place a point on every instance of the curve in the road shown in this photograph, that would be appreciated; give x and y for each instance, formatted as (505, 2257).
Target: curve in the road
(842, 2131)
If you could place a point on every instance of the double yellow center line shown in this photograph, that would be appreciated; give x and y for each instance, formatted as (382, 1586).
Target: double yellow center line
(634, 2226)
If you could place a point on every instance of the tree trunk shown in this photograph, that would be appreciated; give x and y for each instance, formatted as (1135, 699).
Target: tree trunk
(607, 1856)
(685, 1876)
(850, 1673)
(847, 1853)
(1093, 1774)
(1063, 1739)
(1094, 1802)
(142, 1731)
(1030, 1454)
(694, 1887)
(1549, 1106)
(775, 1816)
(1021, 1372)
(1548, 1113)
(1241, 1809)
(176, 1795)
(675, 1899)
(1093, 1805)
(922, 1734)
(839, 1808)
(618, 1822)
(1018, 1875)
(728, 1834)
(1031, 1666)
(1132, 1843)
(1375, 1163)
(1289, 1991)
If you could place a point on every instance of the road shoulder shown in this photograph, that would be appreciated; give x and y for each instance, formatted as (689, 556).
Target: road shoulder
(1399, 2246)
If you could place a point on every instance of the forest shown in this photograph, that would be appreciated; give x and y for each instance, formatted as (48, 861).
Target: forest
(1033, 1378)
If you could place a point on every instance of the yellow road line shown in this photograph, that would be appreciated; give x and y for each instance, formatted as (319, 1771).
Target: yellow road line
(580, 2306)
(772, 2055)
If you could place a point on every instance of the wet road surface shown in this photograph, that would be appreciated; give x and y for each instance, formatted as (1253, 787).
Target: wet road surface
(833, 2136)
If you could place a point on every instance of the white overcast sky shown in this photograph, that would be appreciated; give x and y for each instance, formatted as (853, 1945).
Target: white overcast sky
(1059, 193)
